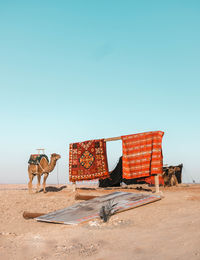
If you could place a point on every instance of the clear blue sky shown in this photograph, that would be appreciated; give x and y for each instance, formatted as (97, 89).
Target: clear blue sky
(77, 70)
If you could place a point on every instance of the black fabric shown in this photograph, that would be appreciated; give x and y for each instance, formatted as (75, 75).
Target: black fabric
(115, 177)
(133, 181)
(36, 160)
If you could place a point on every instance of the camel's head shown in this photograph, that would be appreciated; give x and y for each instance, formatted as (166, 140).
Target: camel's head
(177, 169)
(55, 156)
(171, 171)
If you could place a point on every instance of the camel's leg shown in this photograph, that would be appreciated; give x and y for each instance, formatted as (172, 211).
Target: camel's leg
(31, 176)
(174, 181)
(38, 184)
(44, 181)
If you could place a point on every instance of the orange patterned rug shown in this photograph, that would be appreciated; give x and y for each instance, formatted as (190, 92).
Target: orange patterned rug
(88, 160)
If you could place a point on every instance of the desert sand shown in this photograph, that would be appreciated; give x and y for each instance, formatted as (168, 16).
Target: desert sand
(166, 229)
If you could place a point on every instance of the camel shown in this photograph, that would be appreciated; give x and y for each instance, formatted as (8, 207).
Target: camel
(170, 177)
(43, 168)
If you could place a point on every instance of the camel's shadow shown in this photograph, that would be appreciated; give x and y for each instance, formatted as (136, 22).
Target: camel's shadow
(54, 189)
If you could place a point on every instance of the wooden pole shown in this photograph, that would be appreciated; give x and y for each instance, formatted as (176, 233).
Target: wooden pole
(112, 139)
(156, 177)
(29, 215)
(73, 186)
(85, 196)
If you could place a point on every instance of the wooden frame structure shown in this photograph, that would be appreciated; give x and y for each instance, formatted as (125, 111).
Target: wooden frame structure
(117, 139)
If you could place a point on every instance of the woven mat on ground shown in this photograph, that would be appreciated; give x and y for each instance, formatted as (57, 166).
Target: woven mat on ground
(88, 160)
(142, 154)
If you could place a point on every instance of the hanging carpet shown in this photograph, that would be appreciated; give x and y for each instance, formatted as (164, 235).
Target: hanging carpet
(142, 154)
(88, 160)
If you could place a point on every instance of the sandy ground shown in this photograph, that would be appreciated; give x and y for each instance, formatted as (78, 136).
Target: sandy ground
(166, 229)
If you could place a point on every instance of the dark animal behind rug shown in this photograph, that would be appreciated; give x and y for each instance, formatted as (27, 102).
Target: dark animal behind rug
(115, 177)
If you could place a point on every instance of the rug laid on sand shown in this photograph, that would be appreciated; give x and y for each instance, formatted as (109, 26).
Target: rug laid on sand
(142, 154)
(90, 209)
(88, 160)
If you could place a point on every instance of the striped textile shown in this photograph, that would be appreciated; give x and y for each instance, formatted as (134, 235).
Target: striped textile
(142, 154)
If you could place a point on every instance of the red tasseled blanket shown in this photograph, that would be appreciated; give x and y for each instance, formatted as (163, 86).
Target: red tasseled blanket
(88, 160)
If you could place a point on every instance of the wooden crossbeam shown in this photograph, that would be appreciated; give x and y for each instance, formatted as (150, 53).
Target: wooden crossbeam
(112, 139)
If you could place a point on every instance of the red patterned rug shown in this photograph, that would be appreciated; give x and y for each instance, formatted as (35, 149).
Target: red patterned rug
(142, 154)
(88, 160)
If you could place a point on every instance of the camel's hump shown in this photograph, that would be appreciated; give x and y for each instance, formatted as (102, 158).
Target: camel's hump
(36, 158)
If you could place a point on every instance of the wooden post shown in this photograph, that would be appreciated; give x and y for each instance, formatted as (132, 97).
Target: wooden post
(73, 186)
(29, 215)
(156, 177)
(84, 196)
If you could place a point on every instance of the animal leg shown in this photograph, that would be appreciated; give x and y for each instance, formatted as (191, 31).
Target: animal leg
(44, 181)
(175, 180)
(38, 184)
(31, 176)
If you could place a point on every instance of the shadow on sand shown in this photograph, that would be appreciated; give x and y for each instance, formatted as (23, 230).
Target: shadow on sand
(54, 189)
